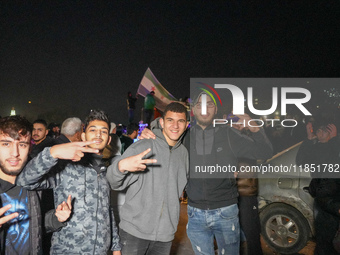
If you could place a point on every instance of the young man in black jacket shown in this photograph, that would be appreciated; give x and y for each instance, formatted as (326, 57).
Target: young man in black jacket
(20, 231)
(40, 138)
(321, 149)
(212, 202)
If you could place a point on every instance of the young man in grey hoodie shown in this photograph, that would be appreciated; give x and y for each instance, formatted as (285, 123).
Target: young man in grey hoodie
(150, 215)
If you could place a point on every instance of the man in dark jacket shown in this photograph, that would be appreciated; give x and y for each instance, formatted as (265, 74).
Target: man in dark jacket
(321, 149)
(218, 196)
(22, 235)
(127, 140)
(53, 130)
(40, 138)
(71, 131)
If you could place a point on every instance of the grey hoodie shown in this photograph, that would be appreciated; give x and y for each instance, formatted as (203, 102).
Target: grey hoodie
(151, 209)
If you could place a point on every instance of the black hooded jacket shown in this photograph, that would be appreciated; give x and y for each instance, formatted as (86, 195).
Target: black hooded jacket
(220, 146)
(35, 232)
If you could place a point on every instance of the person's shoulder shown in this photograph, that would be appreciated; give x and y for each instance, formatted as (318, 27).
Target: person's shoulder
(183, 148)
(142, 144)
(62, 139)
(5, 186)
(49, 141)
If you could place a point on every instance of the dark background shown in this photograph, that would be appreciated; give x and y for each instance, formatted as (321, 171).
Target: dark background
(68, 57)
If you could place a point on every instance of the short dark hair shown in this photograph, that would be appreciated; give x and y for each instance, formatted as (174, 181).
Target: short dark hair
(176, 107)
(53, 125)
(41, 121)
(132, 127)
(15, 126)
(152, 92)
(97, 115)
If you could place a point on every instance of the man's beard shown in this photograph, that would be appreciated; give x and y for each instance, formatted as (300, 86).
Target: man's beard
(14, 172)
(204, 122)
(39, 140)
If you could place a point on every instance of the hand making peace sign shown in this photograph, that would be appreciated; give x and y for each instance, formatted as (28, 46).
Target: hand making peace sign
(135, 163)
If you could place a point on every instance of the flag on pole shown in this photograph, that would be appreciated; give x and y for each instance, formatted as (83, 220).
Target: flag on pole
(150, 83)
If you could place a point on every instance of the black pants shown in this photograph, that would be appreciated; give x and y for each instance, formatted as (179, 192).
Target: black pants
(136, 246)
(326, 226)
(250, 223)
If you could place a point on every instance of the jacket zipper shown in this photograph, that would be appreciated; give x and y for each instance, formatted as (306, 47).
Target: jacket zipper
(96, 235)
(160, 216)
(204, 163)
(95, 244)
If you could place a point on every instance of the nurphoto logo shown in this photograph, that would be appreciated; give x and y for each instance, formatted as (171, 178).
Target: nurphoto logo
(239, 99)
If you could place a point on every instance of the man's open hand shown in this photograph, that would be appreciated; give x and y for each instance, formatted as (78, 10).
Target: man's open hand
(135, 163)
(72, 151)
(332, 130)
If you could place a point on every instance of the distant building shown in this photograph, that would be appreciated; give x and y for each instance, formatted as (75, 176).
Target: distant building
(13, 112)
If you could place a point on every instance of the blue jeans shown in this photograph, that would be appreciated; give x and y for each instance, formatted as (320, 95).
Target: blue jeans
(222, 223)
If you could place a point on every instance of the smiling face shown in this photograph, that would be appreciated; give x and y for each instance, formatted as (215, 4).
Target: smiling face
(13, 156)
(174, 124)
(97, 131)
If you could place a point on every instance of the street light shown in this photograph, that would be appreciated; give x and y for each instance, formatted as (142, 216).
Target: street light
(13, 112)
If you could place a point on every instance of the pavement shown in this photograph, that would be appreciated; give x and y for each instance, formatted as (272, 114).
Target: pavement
(182, 246)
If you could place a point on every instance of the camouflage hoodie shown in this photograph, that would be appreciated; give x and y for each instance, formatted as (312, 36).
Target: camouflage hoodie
(91, 224)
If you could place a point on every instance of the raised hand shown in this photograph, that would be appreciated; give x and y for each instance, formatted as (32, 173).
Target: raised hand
(135, 163)
(332, 130)
(72, 151)
(309, 129)
(64, 210)
(7, 218)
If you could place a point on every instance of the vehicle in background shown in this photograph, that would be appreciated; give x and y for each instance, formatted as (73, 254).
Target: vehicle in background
(285, 205)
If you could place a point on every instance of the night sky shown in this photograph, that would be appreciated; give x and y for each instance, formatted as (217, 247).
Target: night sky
(73, 56)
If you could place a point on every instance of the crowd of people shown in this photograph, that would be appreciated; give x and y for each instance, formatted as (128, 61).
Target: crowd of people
(83, 161)
(73, 166)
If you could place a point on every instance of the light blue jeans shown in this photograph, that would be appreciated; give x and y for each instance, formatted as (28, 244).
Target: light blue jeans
(222, 223)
